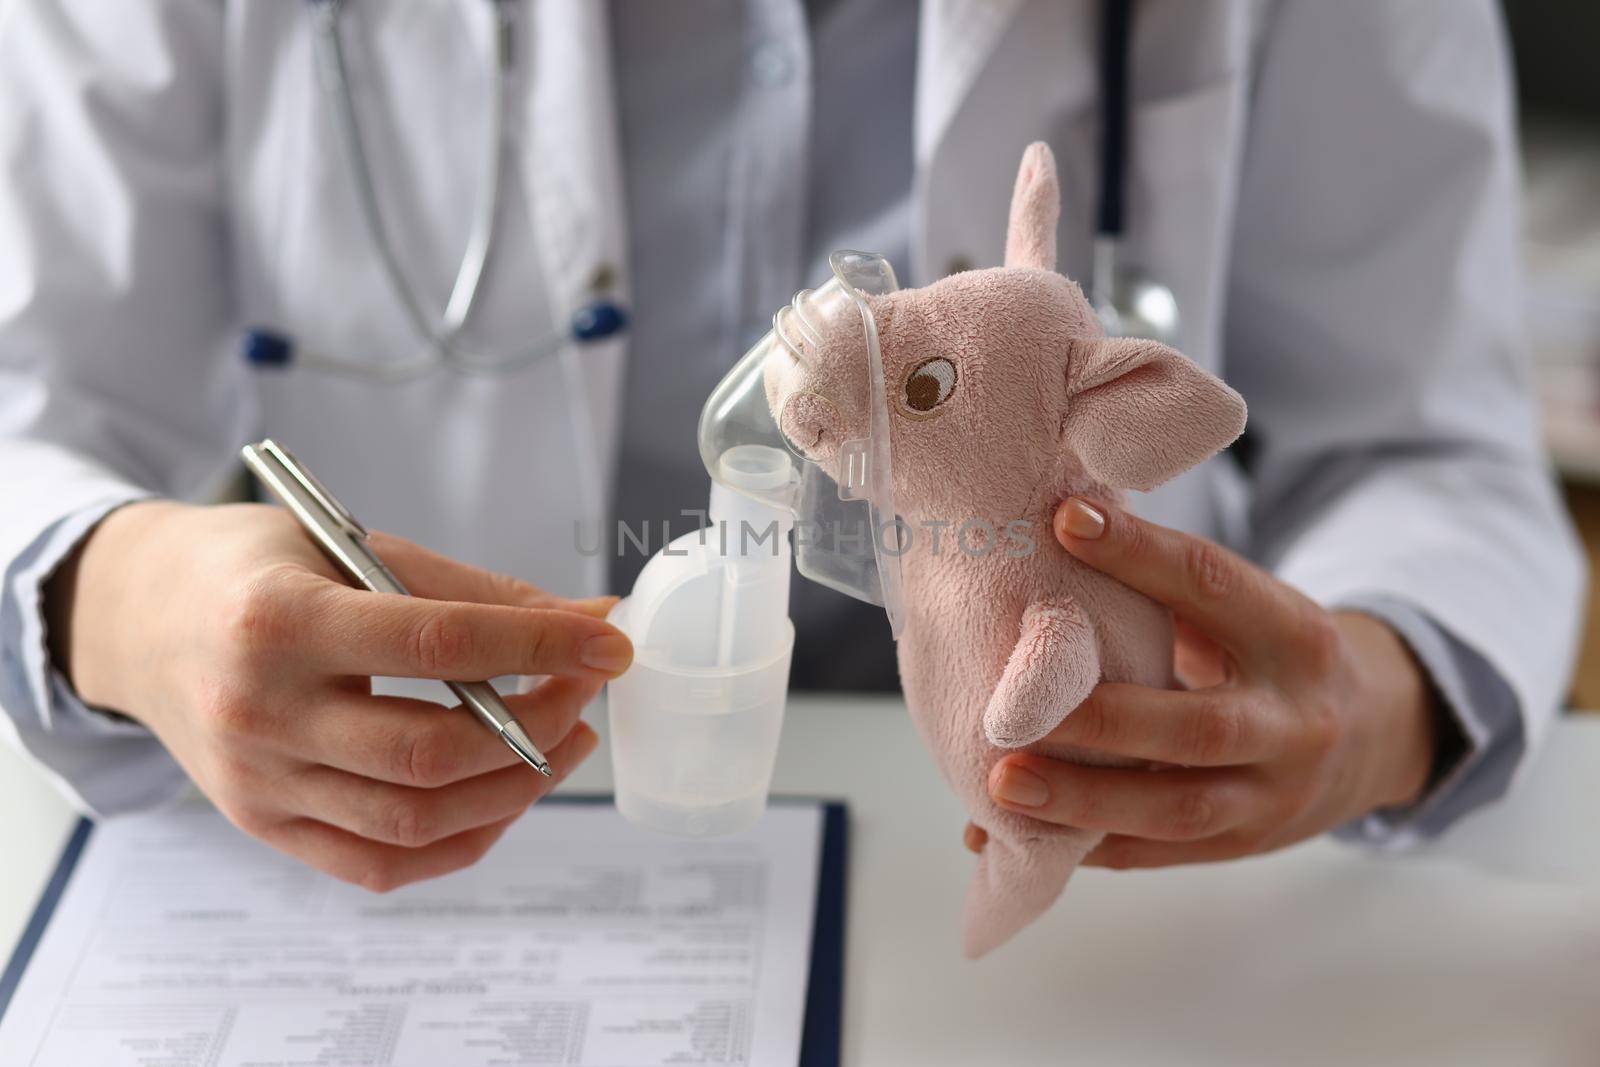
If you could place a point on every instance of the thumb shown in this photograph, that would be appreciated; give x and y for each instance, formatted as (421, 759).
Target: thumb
(437, 577)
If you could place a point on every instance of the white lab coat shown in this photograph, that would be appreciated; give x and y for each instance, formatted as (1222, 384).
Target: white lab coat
(168, 177)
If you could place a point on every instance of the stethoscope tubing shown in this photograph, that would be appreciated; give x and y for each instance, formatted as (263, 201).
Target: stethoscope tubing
(441, 347)
(1116, 42)
(440, 340)
(1116, 25)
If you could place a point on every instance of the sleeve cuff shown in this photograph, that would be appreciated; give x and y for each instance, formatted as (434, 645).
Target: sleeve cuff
(1485, 712)
(103, 763)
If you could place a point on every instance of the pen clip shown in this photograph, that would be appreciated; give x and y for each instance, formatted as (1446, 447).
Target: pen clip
(319, 492)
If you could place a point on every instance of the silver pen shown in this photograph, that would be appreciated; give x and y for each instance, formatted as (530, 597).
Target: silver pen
(344, 540)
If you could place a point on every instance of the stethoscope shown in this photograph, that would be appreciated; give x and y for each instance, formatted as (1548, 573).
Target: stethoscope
(1130, 303)
(440, 344)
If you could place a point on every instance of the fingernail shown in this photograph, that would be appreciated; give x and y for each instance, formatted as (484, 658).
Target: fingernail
(1017, 786)
(608, 652)
(1080, 520)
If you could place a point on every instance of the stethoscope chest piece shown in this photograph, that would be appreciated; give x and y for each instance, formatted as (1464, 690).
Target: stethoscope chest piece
(1132, 304)
(1129, 302)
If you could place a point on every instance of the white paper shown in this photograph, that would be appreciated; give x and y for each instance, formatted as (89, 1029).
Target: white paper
(579, 939)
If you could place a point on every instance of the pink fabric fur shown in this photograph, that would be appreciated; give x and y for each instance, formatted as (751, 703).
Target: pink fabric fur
(999, 647)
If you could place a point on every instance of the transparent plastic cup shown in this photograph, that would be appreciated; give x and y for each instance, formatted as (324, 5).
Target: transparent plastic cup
(692, 749)
(696, 718)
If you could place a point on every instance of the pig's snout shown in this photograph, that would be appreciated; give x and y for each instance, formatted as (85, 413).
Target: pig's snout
(812, 424)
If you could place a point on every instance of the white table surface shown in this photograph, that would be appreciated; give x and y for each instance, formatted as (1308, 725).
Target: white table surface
(1485, 949)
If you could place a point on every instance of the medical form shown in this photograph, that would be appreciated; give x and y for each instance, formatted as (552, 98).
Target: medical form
(178, 941)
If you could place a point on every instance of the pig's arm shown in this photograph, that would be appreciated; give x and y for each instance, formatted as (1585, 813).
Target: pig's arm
(1052, 668)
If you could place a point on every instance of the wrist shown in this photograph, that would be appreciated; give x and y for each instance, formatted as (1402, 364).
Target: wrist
(90, 602)
(1400, 709)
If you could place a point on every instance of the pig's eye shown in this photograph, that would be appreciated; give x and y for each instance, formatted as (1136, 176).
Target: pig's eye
(928, 384)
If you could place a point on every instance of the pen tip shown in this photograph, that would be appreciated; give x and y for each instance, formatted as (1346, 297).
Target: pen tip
(523, 746)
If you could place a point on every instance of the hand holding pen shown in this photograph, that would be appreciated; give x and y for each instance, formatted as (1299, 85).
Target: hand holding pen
(251, 662)
(344, 541)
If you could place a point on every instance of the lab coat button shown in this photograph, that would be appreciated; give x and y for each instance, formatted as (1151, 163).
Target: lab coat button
(771, 65)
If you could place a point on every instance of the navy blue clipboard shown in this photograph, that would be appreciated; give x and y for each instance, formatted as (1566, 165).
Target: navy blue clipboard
(823, 1028)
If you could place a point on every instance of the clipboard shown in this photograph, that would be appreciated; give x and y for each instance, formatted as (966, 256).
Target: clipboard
(822, 1026)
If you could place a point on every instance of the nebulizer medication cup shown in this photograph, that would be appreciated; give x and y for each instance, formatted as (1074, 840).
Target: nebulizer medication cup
(695, 720)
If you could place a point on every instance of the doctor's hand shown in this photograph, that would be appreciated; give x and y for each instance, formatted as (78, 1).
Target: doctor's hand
(1296, 721)
(226, 632)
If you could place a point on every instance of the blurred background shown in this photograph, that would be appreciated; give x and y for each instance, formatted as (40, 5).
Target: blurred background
(1554, 41)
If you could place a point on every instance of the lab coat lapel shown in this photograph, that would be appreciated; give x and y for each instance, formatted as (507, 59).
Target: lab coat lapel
(982, 95)
(571, 160)
(954, 42)
(569, 145)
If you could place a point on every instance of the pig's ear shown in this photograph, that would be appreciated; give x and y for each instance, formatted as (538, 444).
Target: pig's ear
(1035, 207)
(1139, 413)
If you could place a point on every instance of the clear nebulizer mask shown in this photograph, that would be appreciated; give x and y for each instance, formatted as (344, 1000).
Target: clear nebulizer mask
(695, 721)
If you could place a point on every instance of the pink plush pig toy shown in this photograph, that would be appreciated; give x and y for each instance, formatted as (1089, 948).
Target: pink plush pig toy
(1006, 397)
